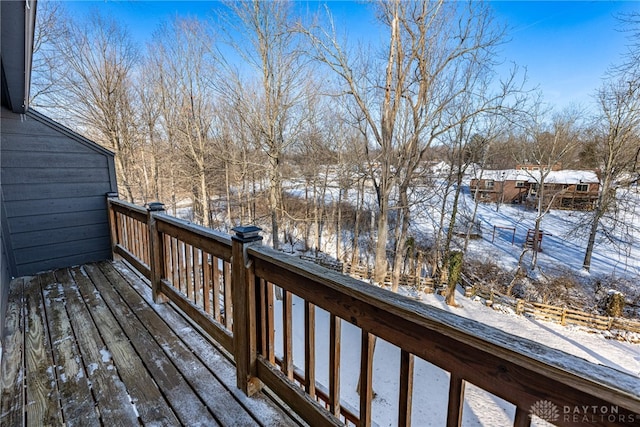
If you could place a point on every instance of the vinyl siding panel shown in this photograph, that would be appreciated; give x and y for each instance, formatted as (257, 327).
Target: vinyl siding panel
(68, 260)
(42, 159)
(54, 184)
(26, 223)
(79, 173)
(59, 235)
(52, 206)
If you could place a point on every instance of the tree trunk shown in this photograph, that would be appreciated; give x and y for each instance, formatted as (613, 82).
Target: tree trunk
(355, 253)
(204, 199)
(401, 237)
(381, 246)
(274, 186)
(586, 263)
(455, 269)
(339, 224)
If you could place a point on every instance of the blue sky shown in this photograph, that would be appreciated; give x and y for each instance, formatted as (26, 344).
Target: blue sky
(565, 46)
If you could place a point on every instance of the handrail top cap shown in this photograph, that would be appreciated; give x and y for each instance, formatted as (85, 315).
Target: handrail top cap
(247, 232)
(155, 206)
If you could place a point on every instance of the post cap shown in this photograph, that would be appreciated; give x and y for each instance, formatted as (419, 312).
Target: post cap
(247, 233)
(155, 206)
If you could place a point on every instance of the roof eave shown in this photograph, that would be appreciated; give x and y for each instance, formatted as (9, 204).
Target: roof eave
(18, 28)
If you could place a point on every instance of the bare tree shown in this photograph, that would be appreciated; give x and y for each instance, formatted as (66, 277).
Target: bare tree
(185, 65)
(101, 57)
(617, 129)
(618, 146)
(436, 52)
(271, 47)
(48, 65)
(548, 149)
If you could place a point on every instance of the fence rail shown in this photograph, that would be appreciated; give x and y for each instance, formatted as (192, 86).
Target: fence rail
(562, 315)
(243, 294)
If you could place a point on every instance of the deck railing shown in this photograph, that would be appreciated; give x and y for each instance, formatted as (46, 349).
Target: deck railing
(249, 297)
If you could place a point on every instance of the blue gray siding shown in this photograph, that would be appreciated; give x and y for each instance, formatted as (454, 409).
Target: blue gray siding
(53, 186)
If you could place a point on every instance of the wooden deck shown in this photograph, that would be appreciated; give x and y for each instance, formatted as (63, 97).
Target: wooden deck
(87, 346)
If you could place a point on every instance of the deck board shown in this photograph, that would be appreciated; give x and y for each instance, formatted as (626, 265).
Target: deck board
(228, 411)
(143, 391)
(42, 399)
(259, 407)
(75, 393)
(109, 392)
(12, 378)
(87, 346)
(186, 404)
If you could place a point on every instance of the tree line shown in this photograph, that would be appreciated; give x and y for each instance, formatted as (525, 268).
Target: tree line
(264, 114)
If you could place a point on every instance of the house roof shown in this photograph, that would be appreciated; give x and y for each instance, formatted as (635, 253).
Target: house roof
(16, 49)
(566, 176)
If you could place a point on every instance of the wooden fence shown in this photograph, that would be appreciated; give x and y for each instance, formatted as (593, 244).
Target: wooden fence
(365, 273)
(228, 284)
(562, 315)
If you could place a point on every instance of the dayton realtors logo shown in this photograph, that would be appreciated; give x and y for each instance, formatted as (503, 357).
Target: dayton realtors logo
(545, 410)
(581, 414)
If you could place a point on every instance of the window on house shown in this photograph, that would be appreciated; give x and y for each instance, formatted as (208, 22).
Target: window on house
(582, 187)
(519, 184)
(489, 183)
(535, 169)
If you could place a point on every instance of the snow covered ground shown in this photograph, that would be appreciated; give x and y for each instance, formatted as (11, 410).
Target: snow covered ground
(431, 383)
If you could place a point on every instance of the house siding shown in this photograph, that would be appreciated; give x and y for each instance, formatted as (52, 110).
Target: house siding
(53, 184)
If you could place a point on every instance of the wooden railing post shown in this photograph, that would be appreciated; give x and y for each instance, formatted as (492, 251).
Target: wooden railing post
(113, 225)
(156, 252)
(245, 333)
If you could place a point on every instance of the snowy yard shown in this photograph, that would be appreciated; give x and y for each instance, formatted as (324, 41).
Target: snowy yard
(431, 384)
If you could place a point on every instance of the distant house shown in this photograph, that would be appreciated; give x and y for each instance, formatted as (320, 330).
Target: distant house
(563, 189)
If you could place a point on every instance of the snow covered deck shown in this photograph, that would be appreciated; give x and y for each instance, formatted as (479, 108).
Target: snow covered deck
(87, 346)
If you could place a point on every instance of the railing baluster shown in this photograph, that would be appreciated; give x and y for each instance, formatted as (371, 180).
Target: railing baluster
(197, 277)
(215, 263)
(287, 339)
(147, 244)
(182, 252)
(168, 266)
(456, 401)
(366, 377)
(522, 419)
(127, 233)
(263, 307)
(203, 264)
(175, 260)
(334, 364)
(228, 312)
(271, 333)
(310, 349)
(135, 234)
(189, 270)
(206, 286)
(406, 388)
